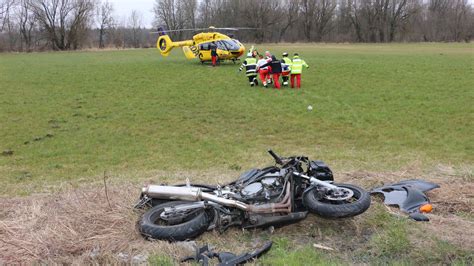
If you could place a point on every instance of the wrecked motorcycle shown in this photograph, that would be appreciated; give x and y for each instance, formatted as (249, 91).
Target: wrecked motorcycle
(274, 195)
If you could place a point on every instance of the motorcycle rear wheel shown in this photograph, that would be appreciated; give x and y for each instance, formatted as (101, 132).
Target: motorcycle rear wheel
(358, 204)
(154, 227)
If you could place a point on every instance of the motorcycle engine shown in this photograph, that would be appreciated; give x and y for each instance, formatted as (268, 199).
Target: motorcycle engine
(252, 190)
(263, 190)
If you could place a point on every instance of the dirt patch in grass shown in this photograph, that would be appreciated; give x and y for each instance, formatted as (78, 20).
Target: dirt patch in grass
(81, 225)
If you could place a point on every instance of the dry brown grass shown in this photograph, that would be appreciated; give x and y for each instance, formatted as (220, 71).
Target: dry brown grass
(78, 226)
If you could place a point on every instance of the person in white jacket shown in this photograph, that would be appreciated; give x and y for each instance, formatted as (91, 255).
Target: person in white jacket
(263, 71)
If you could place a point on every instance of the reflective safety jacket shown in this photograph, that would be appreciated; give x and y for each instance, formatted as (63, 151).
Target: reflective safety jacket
(250, 65)
(297, 65)
(287, 61)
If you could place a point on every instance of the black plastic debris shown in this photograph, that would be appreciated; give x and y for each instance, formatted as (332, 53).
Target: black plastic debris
(408, 195)
(204, 254)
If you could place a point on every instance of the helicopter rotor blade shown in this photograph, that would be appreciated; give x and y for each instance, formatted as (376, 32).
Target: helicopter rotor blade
(179, 30)
(209, 29)
(237, 28)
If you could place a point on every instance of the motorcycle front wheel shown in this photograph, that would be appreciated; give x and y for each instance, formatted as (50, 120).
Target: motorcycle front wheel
(329, 208)
(153, 226)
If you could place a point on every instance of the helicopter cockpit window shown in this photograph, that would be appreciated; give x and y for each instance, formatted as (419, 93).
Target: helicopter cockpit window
(231, 44)
(204, 46)
(221, 45)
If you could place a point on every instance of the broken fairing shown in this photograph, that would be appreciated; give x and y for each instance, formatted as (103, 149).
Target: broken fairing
(409, 196)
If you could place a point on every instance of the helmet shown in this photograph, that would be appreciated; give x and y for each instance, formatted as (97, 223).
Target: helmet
(249, 55)
(285, 54)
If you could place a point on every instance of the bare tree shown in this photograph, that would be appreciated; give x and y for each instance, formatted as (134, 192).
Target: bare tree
(205, 13)
(105, 20)
(290, 16)
(27, 23)
(135, 24)
(308, 12)
(5, 9)
(400, 12)
(324, 14)
(179, 14)
(168, 14)
(190, 8)
(65, 21)
(262, 15)
(355, 18)
(460, 19)
(316, 15)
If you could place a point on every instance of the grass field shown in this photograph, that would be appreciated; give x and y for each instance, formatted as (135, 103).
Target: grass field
(376, 107)
(398, 108)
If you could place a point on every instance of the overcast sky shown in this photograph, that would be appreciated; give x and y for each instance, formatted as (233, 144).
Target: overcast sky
(123, 8)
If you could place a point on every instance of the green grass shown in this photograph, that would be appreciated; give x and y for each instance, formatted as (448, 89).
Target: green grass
(375, 107)
(160, 260)
(283, 252)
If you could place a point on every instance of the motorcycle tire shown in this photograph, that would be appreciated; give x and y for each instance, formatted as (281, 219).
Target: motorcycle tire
(153, 227)
(337, 209)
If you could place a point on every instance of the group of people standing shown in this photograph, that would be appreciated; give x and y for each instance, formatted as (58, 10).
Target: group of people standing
(269, 68)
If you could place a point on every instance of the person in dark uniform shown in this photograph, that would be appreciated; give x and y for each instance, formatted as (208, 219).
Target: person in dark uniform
(213, 47)
(276, 69)
(250, 65)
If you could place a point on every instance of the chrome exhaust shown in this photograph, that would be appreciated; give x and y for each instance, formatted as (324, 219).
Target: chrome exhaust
(189, 194)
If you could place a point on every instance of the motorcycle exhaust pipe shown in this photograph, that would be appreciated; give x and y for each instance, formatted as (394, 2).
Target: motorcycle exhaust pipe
(189, 194)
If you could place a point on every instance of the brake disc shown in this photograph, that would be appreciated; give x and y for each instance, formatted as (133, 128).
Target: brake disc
(176, 214)
(340, 194)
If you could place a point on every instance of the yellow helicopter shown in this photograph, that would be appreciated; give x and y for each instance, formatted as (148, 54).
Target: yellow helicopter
(200, 46)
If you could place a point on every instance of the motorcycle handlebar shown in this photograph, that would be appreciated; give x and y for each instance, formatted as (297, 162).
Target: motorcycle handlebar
(276, 157)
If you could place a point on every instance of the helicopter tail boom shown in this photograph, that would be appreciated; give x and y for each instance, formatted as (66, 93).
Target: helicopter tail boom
(165, 44)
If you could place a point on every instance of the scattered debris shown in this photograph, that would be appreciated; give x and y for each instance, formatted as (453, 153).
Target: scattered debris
(7, 152)
(409, 196)
(122, 256)
(139, 259)
(94, 252)
(204, 254)
(271, 229)
(322, 247)
(190, 246)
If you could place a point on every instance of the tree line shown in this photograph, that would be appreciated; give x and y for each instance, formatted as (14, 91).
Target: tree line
(27, 25)
(37, 25)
